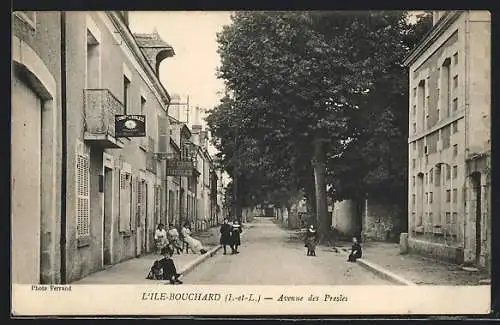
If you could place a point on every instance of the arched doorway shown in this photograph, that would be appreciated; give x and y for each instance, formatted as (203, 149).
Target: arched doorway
(34, 142)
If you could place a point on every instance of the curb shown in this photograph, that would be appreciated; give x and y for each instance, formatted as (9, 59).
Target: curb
(188, 268)
(212, 252)
(380, 271)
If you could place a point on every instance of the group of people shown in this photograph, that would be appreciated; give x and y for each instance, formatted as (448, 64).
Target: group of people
(311, 240)
(167, 242)
(230, 236)
(177, 241)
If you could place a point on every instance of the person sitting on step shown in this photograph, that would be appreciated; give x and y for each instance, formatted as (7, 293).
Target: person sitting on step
(356, 251)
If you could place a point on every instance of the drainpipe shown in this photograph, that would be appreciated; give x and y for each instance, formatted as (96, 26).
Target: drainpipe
(466, 122)
(64, 167)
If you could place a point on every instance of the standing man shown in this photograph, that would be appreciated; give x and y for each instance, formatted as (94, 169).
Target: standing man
(225, 235)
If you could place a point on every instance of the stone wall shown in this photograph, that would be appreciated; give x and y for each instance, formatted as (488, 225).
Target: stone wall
(436, 251)
(344, 219)
(382, 221)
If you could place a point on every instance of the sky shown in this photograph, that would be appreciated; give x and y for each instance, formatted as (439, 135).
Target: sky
(193, 36)
(192, 71)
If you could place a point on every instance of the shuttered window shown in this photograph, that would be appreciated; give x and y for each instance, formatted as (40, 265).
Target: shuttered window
(125, 191)
(82, 196)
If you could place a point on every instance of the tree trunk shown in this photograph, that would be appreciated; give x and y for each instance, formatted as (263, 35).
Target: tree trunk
(322, 221)
(235, 196)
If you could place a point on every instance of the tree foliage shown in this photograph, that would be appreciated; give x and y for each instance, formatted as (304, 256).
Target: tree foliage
(293, 77)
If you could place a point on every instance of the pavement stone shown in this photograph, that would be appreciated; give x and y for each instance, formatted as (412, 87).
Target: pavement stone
(135, 270)
(418, 269)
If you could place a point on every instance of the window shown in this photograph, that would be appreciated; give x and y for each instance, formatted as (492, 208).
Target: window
(431, 218)
(413, 200)
(445, 86)
(448, 218)
(414, 110)
(455, 172)
(420, 145)
(414, 128)
(437, 179)
(126, 91)
(421, 103)
(414, 145)
(455, 217)
(448, 194)
(455, 58)
(445, 135)
(454, 195)
(455, 104)
(83, 197)
(93, 55)
(426, 197)
(413, 181)
(414, 92)
(455, 81)
(426, 180)
(413, 163)
(143, 105)
(455, 150)
(431, 197)
(455, 126)
(431, 176)
(448, 172)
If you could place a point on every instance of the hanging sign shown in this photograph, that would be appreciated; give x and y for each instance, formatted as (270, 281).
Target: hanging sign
(130, 126)
(180, 167)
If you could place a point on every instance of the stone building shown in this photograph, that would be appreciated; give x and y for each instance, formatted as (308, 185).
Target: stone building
(36, 145)
(116, 191)
(449, 139)
(94, 198)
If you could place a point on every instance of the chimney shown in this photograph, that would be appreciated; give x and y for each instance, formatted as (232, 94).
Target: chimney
(173, 109)
(196, 134)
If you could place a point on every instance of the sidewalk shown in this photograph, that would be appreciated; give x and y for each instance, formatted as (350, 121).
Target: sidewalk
(134, 271)
(417, 269)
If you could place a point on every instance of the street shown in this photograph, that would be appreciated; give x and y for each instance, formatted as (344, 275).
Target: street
(269, 257)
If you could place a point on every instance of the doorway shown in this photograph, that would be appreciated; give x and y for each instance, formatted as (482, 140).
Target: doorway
(26, 144)
(144, 214)
(420, 199)
(108, 204)
(476, 187)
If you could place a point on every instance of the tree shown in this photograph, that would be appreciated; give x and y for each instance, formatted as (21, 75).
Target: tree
(300, 82)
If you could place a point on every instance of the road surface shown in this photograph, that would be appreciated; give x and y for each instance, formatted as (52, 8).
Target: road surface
(269, 257)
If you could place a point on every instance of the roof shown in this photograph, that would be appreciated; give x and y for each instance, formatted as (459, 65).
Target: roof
(151, 40)
(438, 29)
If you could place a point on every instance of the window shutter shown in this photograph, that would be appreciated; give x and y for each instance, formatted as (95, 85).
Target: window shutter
(82, 198)
(125, 206)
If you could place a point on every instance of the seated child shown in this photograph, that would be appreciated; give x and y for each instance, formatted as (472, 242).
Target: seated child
(164, 269)
(356, 251)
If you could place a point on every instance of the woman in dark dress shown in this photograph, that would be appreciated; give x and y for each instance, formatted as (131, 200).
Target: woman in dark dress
(311, 240)
(356, 251)
(235, 237)
(225, 235)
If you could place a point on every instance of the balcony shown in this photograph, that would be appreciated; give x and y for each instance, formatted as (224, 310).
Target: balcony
(101, 106)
